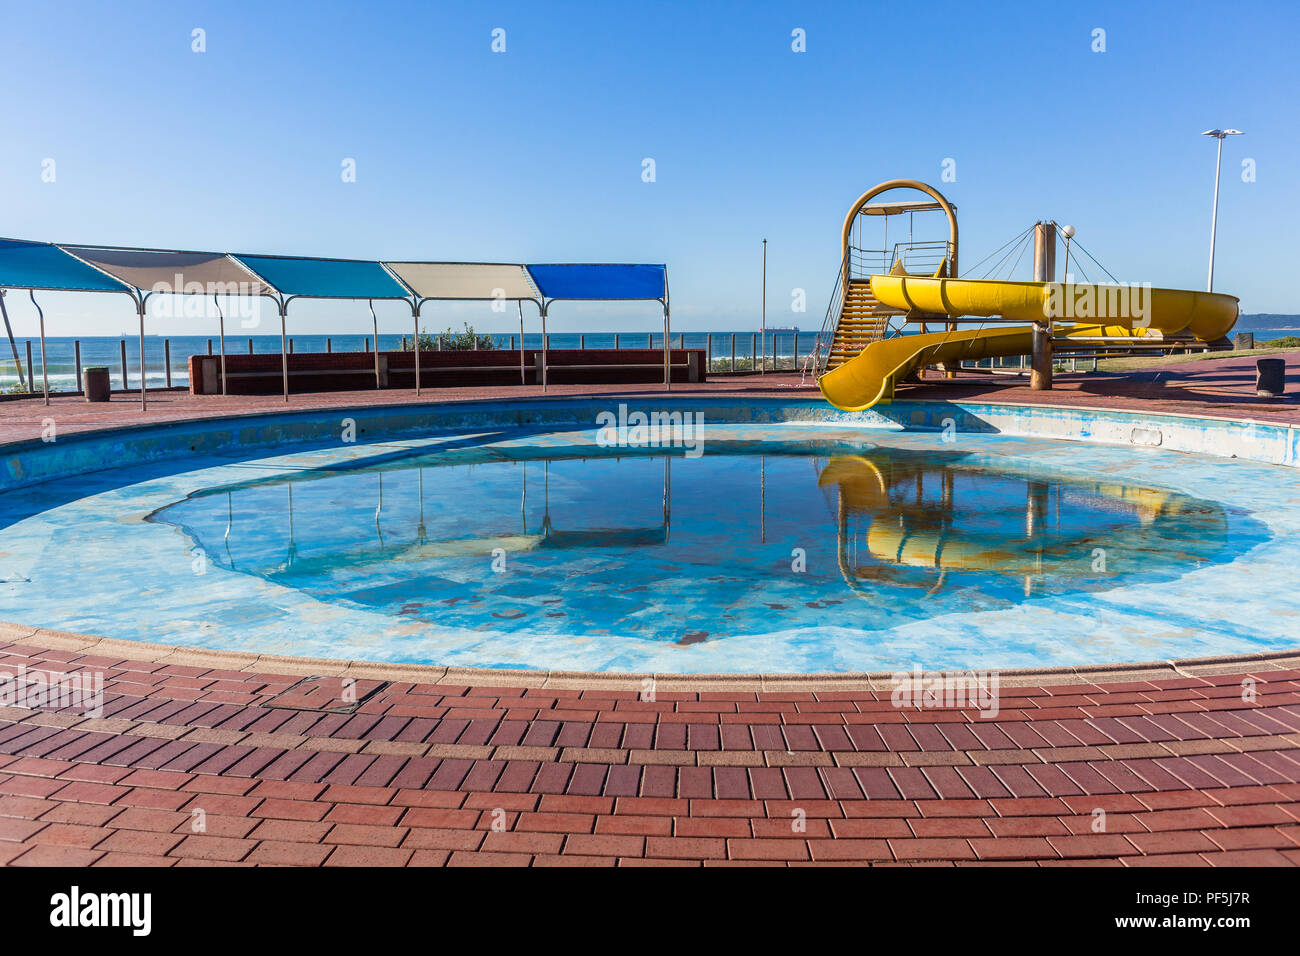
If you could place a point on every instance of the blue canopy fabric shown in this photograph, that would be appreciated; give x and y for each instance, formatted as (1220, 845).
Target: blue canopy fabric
(326, 278)
(603, 281)
(39, 265)
(42, 265)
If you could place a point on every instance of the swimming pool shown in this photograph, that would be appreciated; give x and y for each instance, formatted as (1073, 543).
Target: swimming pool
(804, 544)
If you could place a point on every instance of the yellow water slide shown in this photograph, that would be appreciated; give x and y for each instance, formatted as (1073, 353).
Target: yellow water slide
(1083, 310)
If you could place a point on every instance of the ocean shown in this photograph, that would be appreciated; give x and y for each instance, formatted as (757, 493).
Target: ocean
(107, 350)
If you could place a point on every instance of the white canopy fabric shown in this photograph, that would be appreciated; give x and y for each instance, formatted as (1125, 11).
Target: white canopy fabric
(465, 280)
(195, 273)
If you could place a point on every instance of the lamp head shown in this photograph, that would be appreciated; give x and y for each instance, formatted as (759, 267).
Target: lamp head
(1220, 133)
(1067, 231)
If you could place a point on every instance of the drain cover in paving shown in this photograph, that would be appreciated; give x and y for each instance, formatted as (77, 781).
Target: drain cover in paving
(327, 695)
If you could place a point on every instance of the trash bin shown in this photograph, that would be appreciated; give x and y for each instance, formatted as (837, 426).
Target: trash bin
(96, 383)
(1270, 377)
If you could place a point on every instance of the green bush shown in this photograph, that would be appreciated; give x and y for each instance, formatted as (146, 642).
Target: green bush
(451, 341)
(1286, 342)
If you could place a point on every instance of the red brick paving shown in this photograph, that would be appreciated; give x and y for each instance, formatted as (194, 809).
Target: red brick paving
(1179, 771)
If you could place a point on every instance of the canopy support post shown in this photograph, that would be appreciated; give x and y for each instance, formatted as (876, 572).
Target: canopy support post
(45, 373)
(13, 346)
(284, 349)
(523, 374)
(415, 343)
(375, 323)
(221, 330)
(144, 401)
(668, 362)
(544, 375)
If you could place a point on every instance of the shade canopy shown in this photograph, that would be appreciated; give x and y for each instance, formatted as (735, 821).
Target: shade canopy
(155, 270)
(81, 268)
(39, 265)
(466, 280)
(326, 278)
(896, 208)
(603, 281)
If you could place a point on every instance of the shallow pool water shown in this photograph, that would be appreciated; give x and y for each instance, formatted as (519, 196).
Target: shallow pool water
(782, 548)
(658, 547)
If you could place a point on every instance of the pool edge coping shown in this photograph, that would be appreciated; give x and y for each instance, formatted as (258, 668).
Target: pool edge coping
(435, 674)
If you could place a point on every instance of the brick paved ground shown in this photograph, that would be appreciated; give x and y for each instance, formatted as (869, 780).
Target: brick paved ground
(1162, 766)
(1145, 770)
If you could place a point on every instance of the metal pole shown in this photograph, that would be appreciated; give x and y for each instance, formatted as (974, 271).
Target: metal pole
(375, 322)
(523, 372)
(167, 360)
(543, 348)
(45, 375)
(284, 351)
(13, 346)
(76, 351)
(1214, 214)
(31, 381)
(1040, 377)
(733, 351)
(221, 333)
(764, 326)
(416, 319)
(144, 401)
(122, 344)
(668, 363)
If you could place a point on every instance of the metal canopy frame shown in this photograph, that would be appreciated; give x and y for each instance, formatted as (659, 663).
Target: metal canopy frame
(418, 301)
(282, 300)
(663, 300)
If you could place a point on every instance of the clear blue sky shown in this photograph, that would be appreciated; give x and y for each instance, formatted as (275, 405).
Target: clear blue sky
(536, 154)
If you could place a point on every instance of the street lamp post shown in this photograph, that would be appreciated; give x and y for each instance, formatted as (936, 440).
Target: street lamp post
(1218, 134)
(1068, 232)
(763, 368)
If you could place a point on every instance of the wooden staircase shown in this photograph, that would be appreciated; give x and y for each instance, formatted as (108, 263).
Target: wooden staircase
(862, 321)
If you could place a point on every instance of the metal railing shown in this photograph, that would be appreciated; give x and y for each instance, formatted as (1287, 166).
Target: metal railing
(821, 353)
(726, 352)
(918, 258)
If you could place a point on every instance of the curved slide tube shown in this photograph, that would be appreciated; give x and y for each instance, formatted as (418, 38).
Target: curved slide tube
(1076, 310)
